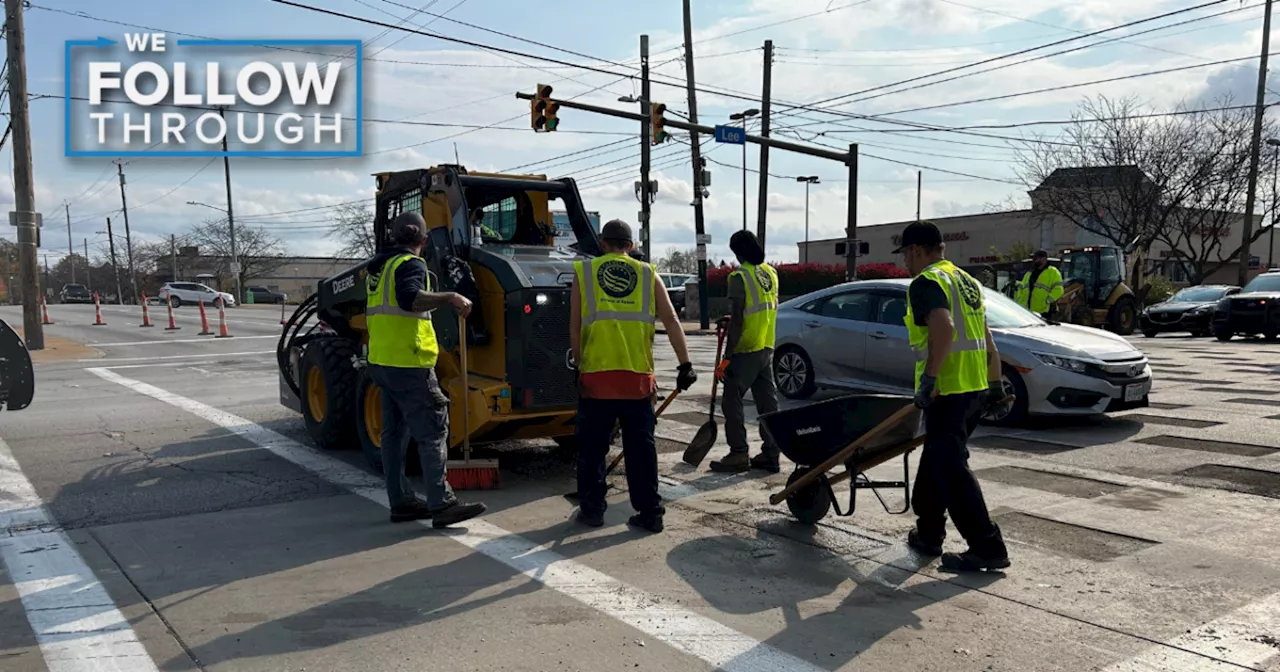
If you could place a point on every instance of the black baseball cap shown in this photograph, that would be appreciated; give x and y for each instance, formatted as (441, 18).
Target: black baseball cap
(924, 234)
(616, 230)
(1040, 254)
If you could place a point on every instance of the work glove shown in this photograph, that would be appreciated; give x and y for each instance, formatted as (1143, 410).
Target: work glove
(924, 393)
(685, 377)
(994, 398)
(721, 368)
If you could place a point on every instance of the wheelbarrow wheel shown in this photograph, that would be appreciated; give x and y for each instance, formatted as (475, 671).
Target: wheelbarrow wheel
(811, 503)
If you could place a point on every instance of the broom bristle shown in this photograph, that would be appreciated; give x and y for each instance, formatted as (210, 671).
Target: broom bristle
(474, 477)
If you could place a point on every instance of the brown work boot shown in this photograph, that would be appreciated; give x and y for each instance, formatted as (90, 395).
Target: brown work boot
(733, 463)
(765, 463)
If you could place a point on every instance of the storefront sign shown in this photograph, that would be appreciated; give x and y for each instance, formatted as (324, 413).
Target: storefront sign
(946, 237)
(984, 260)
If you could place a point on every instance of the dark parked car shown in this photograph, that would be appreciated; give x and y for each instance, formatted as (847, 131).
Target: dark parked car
(75, 294)
(1255, 310)
(1190, 309)
(264, 295)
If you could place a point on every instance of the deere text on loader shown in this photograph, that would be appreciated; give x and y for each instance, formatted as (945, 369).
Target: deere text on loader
(520, 384)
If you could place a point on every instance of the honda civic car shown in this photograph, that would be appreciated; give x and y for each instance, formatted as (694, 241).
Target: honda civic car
(1190, 309)
(853, 336)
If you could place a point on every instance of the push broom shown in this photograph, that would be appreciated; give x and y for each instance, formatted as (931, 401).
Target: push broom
(469, 474)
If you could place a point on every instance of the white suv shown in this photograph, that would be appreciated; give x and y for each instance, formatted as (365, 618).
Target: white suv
(178, 293)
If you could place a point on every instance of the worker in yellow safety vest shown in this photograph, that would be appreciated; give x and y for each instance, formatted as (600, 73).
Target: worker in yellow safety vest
(958, 378)
(402, 360)
(615, 303)
(748, 360)
(1041, 287)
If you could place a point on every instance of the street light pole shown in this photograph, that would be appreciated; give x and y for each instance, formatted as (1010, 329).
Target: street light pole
(811, 179)
(743, 117)
(1275, 168)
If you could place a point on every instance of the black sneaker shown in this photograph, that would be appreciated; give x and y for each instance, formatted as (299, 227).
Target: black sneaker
(765, 463)
(972, 562)
(456, 513)
(404, 513)
(591, 518)
(920, 545)
(648, 521)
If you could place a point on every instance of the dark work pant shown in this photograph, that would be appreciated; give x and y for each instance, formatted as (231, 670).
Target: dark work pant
(413, 404)
(944, 483)
(748, 371)
(596, 418)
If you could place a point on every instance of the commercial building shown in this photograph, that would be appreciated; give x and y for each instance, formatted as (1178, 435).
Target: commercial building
(295, 276)
(986, 237)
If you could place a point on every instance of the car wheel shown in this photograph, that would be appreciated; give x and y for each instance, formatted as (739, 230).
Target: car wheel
(174, 301)
(1015, 413)
(1150, 333)
(1223, 335)
(793, 373)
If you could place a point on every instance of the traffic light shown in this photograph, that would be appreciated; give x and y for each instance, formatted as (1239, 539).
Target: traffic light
(657, 120)
(543, 110)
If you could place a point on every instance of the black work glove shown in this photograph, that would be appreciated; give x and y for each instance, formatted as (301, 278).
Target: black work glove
(686, 377)
(924, 393)
(994, 397)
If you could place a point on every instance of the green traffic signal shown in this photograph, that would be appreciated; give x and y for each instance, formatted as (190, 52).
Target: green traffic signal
(552, 123)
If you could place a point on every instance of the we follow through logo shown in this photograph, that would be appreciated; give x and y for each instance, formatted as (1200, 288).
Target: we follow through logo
(151, 96)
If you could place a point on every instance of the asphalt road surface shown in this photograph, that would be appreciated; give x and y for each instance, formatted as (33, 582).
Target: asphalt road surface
(159, 510)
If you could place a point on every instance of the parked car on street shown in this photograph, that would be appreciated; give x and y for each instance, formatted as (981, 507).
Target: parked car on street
(674, 282)
(179, 293)
(1190, 309)
(264, 295)
(854, 336)
(1254, 310)
(73, 293)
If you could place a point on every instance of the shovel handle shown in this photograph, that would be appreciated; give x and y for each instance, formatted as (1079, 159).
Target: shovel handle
(667, 402)
(466, 388)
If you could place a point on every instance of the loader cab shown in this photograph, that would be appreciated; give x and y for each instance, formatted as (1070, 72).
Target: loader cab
(1095, 289)
(1099, 269)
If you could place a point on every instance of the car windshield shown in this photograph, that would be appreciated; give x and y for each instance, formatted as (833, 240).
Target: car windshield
(1003, 313)
(1198, 295)
(1264, 283)
(74, 288)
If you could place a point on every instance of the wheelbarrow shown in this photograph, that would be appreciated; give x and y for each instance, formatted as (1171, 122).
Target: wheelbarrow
(859, 431)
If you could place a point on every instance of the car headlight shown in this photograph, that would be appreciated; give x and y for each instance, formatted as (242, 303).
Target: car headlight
(1061, 362)
(1201, 310)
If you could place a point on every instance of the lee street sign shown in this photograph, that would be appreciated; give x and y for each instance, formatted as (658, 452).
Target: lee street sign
(732, 135)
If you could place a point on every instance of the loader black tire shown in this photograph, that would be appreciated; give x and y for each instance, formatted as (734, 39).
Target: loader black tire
(1123, 317)
(369, 420)
(329, 392)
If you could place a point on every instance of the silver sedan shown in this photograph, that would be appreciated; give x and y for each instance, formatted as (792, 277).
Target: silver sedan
(853, 336)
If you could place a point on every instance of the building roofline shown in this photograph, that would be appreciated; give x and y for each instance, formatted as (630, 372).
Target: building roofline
(935, 220)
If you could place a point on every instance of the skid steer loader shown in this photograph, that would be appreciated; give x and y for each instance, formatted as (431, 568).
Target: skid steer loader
(491, 238)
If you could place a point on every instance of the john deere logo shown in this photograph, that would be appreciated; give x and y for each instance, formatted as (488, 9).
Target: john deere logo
(617, 278)
(970, 290)
(764, 278)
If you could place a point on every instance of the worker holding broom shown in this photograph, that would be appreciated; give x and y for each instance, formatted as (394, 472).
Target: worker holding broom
(748, 361)
(958, 377)
(615, 302)
(402, 359)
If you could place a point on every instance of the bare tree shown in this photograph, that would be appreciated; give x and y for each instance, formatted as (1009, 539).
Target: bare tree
(352, 226)
(678, 261)
(260, 252)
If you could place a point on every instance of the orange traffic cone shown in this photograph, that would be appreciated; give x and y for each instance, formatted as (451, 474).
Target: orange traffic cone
(222, 321)
(97, 310)
(146, 316)
(172, 324)
(282, 313)
(204, 321)
(44, 306)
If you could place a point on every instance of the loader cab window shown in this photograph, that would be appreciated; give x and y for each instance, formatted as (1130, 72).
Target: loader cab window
(507, 220)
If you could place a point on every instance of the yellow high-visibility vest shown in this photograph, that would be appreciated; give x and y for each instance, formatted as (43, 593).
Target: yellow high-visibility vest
(397, 337)
(619, 315)
(965, 367)
(1047, 291)
(761, 312)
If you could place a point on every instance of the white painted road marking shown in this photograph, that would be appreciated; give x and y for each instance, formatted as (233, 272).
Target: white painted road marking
(160, 341)
(1244, 637)
(78, 627)
(688, 631)
(99, 360)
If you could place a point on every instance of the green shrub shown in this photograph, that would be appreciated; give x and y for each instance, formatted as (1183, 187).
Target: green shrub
(1161, 289)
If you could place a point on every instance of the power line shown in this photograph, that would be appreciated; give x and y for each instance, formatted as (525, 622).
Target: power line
(1059, 122)
(562, 156)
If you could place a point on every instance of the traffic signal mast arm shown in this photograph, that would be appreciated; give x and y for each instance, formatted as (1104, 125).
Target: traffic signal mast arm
(842, 157)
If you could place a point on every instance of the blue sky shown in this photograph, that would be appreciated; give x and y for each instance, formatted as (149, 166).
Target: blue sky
(824, 49)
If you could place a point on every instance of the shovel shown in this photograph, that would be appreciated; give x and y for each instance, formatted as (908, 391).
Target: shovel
(702, 442)
(573, 496)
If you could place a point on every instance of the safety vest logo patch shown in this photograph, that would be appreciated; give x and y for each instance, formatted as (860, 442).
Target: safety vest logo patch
(969, 290)
(764, 278)
(617, 278)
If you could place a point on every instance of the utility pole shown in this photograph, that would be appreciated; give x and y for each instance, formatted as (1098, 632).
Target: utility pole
(231, 220)
(851, 227)
(88, 267)
(128, 239)
(71, 250)
(46, 271)
(173, 257)
(23, 183)
(115, 268)
(645, 141)
(762, 196)
(919, 183)
(699, 224)
(1255, 149)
